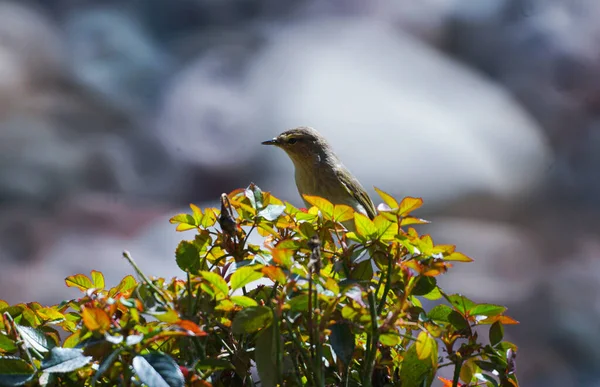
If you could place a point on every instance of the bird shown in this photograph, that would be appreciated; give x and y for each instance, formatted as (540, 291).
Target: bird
(319, 171)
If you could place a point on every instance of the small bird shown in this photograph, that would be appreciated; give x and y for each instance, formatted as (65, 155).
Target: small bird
(319, 172)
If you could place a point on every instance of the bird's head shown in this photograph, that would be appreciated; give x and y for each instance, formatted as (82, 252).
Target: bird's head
(301, 144)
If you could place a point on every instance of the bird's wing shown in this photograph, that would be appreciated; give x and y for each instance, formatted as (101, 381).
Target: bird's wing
(357, 192)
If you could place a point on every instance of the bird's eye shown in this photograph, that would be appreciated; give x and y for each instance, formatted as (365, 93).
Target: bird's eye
(292, 141)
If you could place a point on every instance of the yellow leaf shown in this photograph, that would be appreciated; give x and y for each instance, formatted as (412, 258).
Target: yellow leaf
(387, 198)
(342, 213)
(412, 220)
(459, 257)
(323, 205)
(80, 281)
(409, 204)
(426, 346)
(98, 279)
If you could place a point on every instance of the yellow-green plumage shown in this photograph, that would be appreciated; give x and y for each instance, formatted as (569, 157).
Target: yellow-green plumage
(319, 172)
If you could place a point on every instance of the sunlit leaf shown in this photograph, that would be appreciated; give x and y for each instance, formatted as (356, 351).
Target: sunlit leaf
(274, 273)
(409, 204)
(386, 230)
(459, 257)
(97, 279)
(425, 346)
(323, 205)
(243, 301)
(34, 338)
(168, 316)
(390, 339)
(409, 220)
(342, 213)
(243, 276)
(387, 199)
(79, 281)
(216, 281)
(503, 319)
(95, 319)
(127, 284)
(364, 226)
(184, 222)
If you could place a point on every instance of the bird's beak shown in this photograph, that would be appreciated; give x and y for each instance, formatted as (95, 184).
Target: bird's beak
(273, 141)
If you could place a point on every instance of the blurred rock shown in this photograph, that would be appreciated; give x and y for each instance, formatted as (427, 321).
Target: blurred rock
(545, 53)
(208, 118)
(112, 53)
(401, 115)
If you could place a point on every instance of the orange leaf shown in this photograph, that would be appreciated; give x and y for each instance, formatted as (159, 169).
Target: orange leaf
(95, 319)
(409, 204)
(274, 273)
(191, 327)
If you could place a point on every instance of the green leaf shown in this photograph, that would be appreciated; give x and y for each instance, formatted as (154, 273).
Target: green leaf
(265, 353)
(158, 370)
(461, 303)
(415, 372)
(106, 364)
(213, 364)
(187, 257)
(254, 194)
(457, 320)
(34, 338)
(386, 230)
(6, 343)
(487, 310)
(434, 294)
(343, 342)
(208, 219)
(364, 226)
(80, 281)
(243, 301)
(271, 212)
(98, 279)
(426, 346)
(252, 319)
(424, 285)
(496, 333)
(243, 276)
(168, 316)
(184, 222)
(390, 339)
(362, 271)
(63, 360)
(216, 281)
(323, 205)
(15, 371)
(387, 199)
(127, 284)
(299, 303)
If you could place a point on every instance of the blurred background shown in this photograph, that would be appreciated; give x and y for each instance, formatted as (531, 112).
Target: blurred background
(116, 114)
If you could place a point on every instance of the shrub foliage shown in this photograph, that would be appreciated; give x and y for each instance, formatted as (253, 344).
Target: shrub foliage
(314, 304)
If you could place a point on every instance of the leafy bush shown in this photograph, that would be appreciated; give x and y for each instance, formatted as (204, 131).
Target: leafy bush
(332, 308)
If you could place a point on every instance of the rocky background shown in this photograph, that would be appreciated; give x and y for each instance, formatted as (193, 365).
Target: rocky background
(116, 114)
